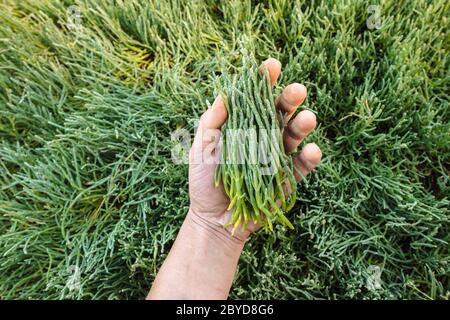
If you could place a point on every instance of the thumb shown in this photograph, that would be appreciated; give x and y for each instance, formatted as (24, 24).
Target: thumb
(214, 117)
(208, 133)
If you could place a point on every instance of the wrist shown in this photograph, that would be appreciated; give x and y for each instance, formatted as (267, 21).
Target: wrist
(201, 263)
(213, 229)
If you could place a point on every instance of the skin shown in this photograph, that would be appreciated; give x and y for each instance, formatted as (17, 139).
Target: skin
(202, 262)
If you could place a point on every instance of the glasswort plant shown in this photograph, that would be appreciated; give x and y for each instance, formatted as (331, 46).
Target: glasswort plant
(256, 174)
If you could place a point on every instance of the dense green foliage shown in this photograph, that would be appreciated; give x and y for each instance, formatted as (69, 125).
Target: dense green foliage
(87, 112)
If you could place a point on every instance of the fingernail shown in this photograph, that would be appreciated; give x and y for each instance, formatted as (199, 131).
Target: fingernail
(214, 105)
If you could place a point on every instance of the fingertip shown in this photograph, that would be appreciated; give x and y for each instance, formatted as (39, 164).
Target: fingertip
(307, 160)
(312, 154)
(216, 116)
(219, 105)
(274, 68)
(295, 93)
(220, 109)
(306, 121)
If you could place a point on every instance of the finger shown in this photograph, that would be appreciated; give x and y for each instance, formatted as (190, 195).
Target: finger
(214, 117)
(273, 66)
(306, 160)
(207, 138)
(290, 99)
(297, 129)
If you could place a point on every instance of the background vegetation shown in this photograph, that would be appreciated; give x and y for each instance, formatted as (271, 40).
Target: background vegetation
(88, 104)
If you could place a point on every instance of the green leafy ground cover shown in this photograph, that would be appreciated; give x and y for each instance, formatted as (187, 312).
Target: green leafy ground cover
(88, 105)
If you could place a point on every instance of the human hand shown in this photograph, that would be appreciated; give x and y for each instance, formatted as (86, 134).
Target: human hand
(209, 204)
(202, 262)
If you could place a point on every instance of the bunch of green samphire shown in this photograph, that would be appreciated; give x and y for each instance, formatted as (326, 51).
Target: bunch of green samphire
(254, 168)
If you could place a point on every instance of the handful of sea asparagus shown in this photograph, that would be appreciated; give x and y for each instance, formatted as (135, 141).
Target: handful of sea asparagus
(254, 168)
